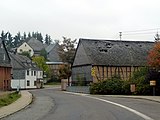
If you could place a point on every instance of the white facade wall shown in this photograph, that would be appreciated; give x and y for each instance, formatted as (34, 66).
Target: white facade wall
(25, 47)
(15, 83)
(40, 74)
(31, 79)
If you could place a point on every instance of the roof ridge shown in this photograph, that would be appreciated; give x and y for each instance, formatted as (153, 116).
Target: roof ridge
(101, 40)
(50, 47)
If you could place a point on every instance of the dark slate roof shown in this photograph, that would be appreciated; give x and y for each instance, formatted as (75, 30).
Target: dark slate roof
(22, 62)
(50, 47)
(35, 44)
(4, 56)
(112, 52)
(52, 53)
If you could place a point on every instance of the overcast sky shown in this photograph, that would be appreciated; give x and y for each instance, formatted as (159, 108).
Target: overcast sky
(99, 19)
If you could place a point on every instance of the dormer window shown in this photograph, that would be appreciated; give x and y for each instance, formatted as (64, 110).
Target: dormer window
(126, 45)
(1, 45)
(4, 57)
(103, 50)
(108, 45)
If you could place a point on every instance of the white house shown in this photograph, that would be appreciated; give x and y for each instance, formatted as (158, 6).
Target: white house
(26, 75)
(25, 48)
(33, 46)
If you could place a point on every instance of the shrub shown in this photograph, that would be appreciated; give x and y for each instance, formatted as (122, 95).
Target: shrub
(54, 79)
(110, 86)
(126, 88)
(139, 78)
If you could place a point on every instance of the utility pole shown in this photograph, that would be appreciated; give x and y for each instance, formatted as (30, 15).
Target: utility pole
(120, 35)
(157, 37)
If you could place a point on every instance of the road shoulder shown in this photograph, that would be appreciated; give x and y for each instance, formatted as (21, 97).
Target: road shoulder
(22, 102)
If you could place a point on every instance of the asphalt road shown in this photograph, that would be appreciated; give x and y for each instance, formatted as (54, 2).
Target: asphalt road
(53, 104)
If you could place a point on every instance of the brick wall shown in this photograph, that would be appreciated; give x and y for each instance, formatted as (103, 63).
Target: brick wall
(5, 78)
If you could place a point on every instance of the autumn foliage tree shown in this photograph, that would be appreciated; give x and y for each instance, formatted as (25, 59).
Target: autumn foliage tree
(67, 50)
(154, 56)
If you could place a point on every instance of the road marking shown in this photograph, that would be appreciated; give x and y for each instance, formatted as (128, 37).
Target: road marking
(117, 104)
(125, 107)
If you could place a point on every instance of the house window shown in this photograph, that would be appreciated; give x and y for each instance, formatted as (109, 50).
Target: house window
(29, 50)
(35, 83)
(31, 73)
(34, 73)
(28, 83)
(25, 45)
(27, 72)
(21, 50)
(7, 84)
(4, 82)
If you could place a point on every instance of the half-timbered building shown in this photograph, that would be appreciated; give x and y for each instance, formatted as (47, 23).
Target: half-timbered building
(102, 59)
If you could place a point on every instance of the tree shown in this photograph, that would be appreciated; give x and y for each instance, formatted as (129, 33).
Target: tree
(33, 35)
(66, 53)
(43, 53)
(41, 63)
(29, 35)
(39, 37)
(154, 56)
(65, 71)
(24, 36)
(10, 41)
(49, 39)
(16, 41)
(140, 79)
(46, 39)
(67, 50)
(3, 35)
(26, 53)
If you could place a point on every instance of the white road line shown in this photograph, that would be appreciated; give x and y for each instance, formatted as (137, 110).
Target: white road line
(117, 104)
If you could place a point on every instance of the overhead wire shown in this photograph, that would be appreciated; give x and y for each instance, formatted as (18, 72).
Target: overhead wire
(138, 32)
(141, 30)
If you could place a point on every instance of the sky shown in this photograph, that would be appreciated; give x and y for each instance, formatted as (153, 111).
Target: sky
(95, 19)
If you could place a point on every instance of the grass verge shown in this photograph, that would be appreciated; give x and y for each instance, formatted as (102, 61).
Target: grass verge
(9, 98)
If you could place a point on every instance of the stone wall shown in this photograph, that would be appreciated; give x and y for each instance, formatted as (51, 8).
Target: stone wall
(78, 89)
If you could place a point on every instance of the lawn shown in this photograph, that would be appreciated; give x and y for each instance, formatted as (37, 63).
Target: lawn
(7, 99)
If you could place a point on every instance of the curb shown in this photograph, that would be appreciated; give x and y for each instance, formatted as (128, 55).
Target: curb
(149, 98)
(22, 102)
